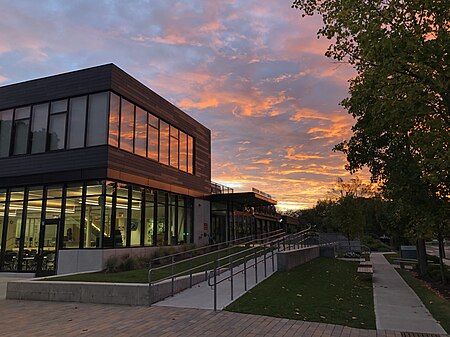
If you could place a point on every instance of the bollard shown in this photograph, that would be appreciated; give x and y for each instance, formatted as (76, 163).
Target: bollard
(215, 285)
(190, 270)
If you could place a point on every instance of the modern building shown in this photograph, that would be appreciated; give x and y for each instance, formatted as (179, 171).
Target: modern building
(93, 162)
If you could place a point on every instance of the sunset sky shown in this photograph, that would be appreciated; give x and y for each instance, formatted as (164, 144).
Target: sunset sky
(251, 71)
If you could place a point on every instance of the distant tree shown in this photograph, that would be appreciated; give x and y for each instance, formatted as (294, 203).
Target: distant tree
(400, 98)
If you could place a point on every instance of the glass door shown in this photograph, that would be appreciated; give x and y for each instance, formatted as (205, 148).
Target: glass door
(48, 248)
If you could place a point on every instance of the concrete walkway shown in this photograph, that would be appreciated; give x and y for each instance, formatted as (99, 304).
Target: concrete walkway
(397, 307)
(201, 296)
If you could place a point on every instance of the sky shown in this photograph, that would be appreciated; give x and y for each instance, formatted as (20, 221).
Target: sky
(251, 71)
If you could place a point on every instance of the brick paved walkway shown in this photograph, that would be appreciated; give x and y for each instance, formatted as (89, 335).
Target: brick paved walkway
(29, 318)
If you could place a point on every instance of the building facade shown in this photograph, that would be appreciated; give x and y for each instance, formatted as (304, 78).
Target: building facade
(93, 161)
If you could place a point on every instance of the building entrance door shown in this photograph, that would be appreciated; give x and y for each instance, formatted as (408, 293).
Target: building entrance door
(48, 248)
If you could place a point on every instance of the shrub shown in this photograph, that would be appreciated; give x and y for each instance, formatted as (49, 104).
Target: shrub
(375, 245)
(128, 263)
(112, 264)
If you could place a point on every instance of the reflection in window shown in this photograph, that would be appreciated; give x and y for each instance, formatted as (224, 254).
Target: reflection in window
(183, 151)
(21, 130)
(32, 228)
(97, 119)
(153, 127)
(164, 142)
(173, 146)
(57, 131)
(140, 142)
(172, 240)
(5, 132)
(126, 126)
(77, 122)
(39, 128)
(190, 155)
(114, 106)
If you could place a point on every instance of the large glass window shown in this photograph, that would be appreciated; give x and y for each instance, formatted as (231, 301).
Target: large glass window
(190, 155)
(57, 124)
(161, 219)
(173, 146)
(72, 222)
(172, 223)
(39, 128)
(114, 107)
(2, 213)
(120, 233)
(136, 209)
(164, 142)
(149, 217)
(21, 130)
(126, 126)
(97, 125)
(93, 215)
(140, 142)
(32, 228)
(13, 230)
(54, 202)
(153, 137)
(6, 117)
(77, 122)
(181, 220)
(183, 151)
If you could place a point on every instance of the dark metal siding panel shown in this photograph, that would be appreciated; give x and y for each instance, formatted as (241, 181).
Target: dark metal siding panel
(75, 83)
(67, 165)
(129, 163)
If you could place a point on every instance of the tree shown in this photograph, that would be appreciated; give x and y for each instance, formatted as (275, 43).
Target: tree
(400, 97)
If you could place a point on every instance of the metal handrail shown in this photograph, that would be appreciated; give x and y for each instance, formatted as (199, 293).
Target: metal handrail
(276, 245)
(189, 271)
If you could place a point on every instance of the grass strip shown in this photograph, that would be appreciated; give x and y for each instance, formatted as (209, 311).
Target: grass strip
(436, 305)
(323, 290)
(141, 275)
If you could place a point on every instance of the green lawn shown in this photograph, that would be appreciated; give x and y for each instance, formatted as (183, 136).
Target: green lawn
(438, 306)
(141, 275)
(322, 290)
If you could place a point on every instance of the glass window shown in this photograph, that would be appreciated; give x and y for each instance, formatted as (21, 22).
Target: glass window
(77, 122)
(120, 234)
(94, 188)
(57, 131)
(72, 223)
(140, 141)
(5, 132)
(2, 195)
(149, 217)
(2, 213)
(171, 226)
(107, 234)
(136, 227)
(21, 130)
(126, 126)
(114, 106)
(97, 119)
(190, 154)
(181, 222)
(54, 202)
(183, 151)
(152, 151)
(164, 143)
(39, 128)
(32, 228)
(75, 190)
(92, 228)
(13, 230)
(173, 146)
(161, 238)
(58, 106)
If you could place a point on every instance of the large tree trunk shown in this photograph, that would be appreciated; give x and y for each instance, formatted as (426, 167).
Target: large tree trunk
(441, 257)
(422, 257)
